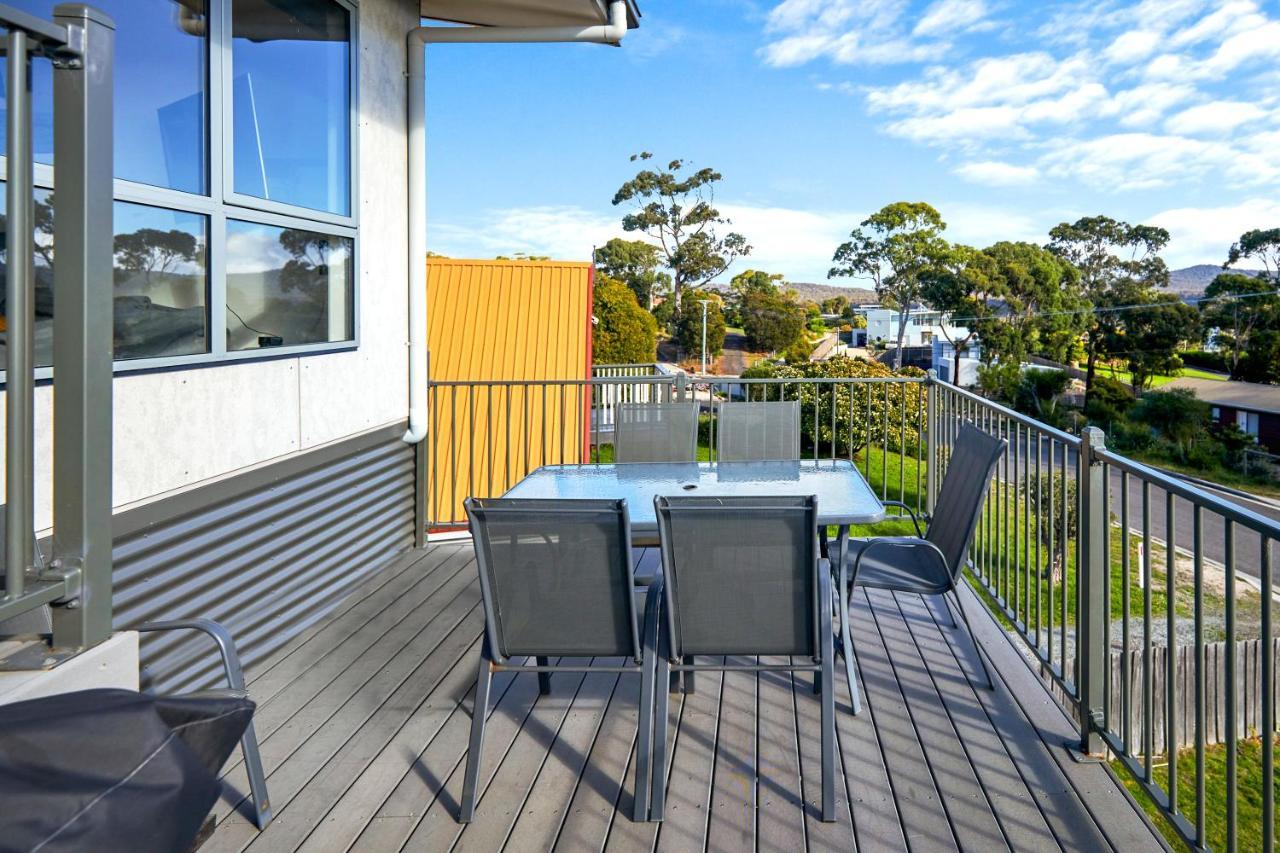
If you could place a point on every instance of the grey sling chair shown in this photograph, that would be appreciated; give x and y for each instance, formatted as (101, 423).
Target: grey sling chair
(755, 432)
(656, 432)
(929, 563)
(556, 580)
(742, 576)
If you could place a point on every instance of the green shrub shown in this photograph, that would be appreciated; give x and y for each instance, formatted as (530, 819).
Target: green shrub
(1110, 400)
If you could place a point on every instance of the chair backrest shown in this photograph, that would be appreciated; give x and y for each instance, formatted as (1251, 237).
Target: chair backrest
(655, 432)
(740, 574)
(748, 432)
(556, 576)
(974, 456)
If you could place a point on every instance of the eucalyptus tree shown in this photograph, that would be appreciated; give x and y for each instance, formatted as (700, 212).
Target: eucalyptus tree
(1119, 265)
(634, 263)
(676, 209)
(894, 248)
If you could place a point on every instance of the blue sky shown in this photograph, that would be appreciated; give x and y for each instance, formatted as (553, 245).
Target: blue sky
(1009, 117)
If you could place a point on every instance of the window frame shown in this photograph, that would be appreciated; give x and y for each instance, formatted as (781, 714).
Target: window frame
(222, 203)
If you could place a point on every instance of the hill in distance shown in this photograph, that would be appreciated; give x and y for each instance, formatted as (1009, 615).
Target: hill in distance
(812, 292)
(1191, 281)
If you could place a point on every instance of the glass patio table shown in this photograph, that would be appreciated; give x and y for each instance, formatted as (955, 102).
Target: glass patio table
(844, 497)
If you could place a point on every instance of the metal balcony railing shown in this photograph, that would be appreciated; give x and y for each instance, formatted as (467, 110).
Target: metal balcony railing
(1145, 599)
(79, 44)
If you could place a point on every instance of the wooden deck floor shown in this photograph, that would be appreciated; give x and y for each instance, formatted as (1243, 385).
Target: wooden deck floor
(364, 719)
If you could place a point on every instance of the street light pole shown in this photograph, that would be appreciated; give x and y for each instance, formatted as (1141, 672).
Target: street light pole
(704, 335)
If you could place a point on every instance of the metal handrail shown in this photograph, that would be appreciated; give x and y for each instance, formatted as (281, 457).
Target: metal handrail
(77, 581)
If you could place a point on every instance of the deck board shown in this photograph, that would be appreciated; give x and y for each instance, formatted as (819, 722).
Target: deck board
(364, 722)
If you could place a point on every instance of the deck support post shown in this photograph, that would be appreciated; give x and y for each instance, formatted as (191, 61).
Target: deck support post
(1092, 652)
(82, 328)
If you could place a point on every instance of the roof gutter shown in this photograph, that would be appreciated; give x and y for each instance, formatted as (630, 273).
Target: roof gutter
(418, 39)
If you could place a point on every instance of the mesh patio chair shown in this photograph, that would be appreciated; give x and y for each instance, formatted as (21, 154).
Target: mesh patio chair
(742, 576)
(556, 581)
(929, 563)
(656, 432)
(750, 432)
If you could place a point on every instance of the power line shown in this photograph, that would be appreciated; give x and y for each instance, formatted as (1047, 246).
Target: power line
(1120, 308)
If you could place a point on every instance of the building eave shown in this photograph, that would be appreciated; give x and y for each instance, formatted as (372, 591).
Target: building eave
(526, 13)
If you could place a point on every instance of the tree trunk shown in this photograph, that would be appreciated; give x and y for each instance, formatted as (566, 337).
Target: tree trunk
(902, 334)
(1090, 369)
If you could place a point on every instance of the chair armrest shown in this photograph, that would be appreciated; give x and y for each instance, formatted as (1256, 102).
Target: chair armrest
(219, 634)
(914, 518)
(888, 542)
(825, 602)
(651, 627)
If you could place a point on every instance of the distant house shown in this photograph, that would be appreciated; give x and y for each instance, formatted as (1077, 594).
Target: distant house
(961, 371)
(924, 326)
(1253, 407)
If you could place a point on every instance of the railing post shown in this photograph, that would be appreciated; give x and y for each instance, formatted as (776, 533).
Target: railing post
(931, 426)
(82, 333)
(1092, 653)
(682, 385)
(20, 317)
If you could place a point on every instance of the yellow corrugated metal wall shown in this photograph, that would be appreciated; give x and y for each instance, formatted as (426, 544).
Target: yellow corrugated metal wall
(504, 321)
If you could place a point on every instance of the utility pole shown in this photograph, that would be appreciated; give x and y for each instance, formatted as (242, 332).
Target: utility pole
(704, 335)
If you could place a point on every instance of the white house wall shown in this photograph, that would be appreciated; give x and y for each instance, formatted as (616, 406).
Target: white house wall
(176, 428)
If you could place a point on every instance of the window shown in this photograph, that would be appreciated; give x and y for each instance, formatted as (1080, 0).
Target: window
(234, 146)
(290, 73)
(1248, 422)
(286, 287)
(161, 283)
(161, 91)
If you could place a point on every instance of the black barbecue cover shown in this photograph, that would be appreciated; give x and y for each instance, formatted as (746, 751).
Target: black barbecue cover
(106, 770)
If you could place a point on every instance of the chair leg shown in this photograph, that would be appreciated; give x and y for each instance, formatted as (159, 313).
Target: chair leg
(991, 685)
(658, 767)
(544, 678)
(688, 674)
(828, 677)
(828, 735)
(257, 779)
(649, 684)
(644, 745)
(843, 593)
(479, 712)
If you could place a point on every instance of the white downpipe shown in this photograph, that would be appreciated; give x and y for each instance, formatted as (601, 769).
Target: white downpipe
(419, 38)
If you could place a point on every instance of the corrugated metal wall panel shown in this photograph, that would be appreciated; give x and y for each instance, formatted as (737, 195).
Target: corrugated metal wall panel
(504, 320)
(266, 557)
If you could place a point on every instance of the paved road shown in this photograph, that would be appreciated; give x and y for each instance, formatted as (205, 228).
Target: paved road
(1248, 544)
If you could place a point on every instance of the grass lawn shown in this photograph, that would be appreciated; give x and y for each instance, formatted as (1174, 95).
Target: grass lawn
(1124, 376)
(1265, 486)
(1248, 799)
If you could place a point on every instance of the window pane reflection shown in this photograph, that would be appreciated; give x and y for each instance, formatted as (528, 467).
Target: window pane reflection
(160, 282)
(43, 338)
(286, 286)
(161, 98)
(291, 102)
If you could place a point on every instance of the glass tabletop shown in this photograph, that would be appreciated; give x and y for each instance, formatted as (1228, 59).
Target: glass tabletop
(843, 495)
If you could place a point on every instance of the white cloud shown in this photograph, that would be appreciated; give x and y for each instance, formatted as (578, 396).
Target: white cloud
(1144, 105)
(996, 173)
(562, 232)
(946, 17)
(1214, 118)
(1134, 161)
(1202, 235)
(981, 224)
(1133, 46)
(868, 32)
